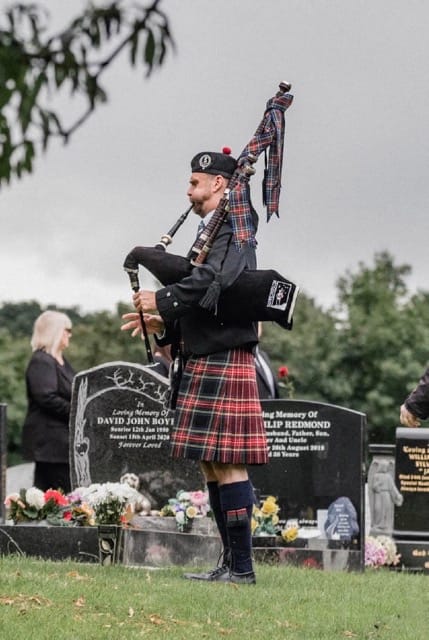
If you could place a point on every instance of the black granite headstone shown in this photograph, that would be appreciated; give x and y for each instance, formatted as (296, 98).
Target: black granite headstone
(119, 424)
(412, 480)
(316, 457)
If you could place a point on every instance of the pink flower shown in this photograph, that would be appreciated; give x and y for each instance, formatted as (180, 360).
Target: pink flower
(13, 497)
(375, 553)
(283, 371)
(57, 497)
(198, 498)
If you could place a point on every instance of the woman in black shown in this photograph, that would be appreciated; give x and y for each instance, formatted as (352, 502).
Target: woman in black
(49, 379)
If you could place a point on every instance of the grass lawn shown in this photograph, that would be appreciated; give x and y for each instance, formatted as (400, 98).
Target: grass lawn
(66, 600)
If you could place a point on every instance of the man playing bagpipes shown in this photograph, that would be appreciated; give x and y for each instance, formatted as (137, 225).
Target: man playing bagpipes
(218, 417)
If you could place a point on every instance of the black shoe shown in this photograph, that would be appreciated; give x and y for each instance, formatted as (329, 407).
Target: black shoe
(238, 578)
(209, 576)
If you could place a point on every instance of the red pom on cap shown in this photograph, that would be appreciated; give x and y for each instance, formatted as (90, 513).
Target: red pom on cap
(226, 150)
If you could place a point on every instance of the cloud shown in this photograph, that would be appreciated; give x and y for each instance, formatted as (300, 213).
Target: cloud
(356, 149)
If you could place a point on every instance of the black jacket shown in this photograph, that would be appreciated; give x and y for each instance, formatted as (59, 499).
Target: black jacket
(201, 331)
(45, 435)
(268, 389)
(418, 400)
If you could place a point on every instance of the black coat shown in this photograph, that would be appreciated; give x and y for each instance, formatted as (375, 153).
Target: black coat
(418, 400)
(266, 390)
(45, 435)
(201, 331)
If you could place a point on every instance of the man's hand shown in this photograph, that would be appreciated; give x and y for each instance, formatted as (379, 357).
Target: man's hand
(145, 301)
(154, 323)
(407, 418)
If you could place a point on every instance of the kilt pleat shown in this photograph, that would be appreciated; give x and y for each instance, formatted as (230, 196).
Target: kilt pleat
(218, 414)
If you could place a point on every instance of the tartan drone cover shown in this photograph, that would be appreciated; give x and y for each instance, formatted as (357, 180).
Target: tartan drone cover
(270, 133)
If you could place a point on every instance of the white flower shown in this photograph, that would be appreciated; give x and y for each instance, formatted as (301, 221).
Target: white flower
(35, 498)
(180, 517)
(108, 492)
(133, 496)
(390, 548)
(184, 496)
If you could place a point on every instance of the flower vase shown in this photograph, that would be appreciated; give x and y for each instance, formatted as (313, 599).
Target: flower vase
(265, 540)
(187, 526)
(109, 543)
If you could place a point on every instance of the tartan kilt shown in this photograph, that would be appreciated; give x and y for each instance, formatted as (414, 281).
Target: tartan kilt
(218, 414)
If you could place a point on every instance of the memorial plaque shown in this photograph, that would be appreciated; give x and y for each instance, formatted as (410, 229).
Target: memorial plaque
(119, 424)
(341, 520)
(316, 457)
(412, 481)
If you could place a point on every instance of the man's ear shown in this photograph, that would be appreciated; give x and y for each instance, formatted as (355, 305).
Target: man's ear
(219, 183)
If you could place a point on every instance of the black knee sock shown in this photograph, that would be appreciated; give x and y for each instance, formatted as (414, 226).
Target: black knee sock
(237, 501)
(214, 499)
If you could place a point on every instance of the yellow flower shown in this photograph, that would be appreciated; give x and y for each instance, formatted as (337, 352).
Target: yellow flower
(289, 535)
(275, 519)
(270, 506)
(254, 524)
(191, 511)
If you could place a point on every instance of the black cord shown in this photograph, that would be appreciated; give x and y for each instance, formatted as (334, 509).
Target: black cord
(135, 286)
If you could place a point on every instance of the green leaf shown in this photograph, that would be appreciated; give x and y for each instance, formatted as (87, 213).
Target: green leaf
(59, 74)
(91, 88)
(29, 155)
(5, 95)
(149, 50)
(133, 49)
(31, 512)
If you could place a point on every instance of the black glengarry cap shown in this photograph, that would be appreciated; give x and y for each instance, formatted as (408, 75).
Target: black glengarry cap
(215, 163)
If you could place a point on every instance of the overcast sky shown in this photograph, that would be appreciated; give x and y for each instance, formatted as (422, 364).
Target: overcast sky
(356, 154)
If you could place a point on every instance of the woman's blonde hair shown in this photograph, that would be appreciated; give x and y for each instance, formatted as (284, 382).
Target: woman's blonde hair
(48, 330)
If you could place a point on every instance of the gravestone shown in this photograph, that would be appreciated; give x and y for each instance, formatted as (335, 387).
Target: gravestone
(315, 470)
(119, 424)
(411, 519)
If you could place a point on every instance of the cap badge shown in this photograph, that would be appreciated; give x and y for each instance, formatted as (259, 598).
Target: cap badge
(205, 161)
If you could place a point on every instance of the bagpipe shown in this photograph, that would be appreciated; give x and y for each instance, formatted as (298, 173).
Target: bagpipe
(254, 295)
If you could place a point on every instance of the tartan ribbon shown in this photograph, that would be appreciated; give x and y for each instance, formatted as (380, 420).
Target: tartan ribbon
(236, 517)
(270, 133)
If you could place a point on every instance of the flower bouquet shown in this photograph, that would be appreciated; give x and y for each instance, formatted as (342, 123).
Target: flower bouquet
(266, 522)
(186, 506)
(33, 505)
(380, 551)
(111, 502)
(265, 519)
